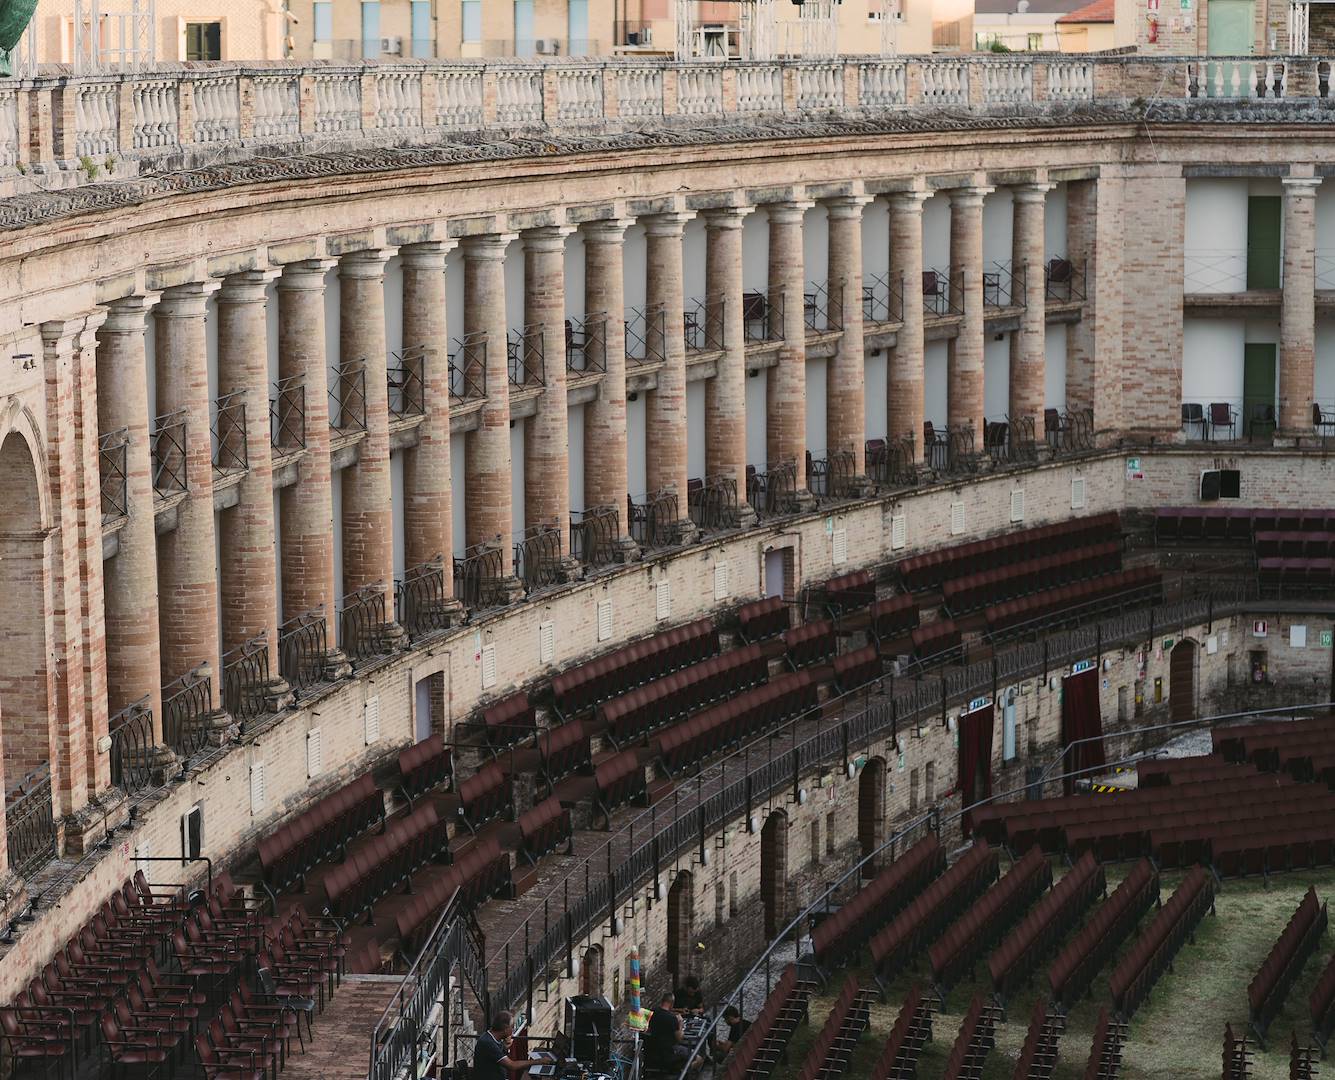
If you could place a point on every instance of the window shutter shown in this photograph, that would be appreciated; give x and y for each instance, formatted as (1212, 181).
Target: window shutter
(1078, 493)
(1017, 505)
(839, 547)
(956, 518)
(546, 642)
(314, 753)
(488, 666)
(371, 719)
(663, 600)
(257, 794)
(604, 620)
(899, 532)
(721, 581)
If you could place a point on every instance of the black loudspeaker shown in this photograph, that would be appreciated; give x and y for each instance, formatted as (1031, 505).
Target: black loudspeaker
(589, 1025)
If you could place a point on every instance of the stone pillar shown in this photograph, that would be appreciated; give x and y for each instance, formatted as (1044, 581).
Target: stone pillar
(605, 416)
(368, 513)
(1028, 389)
(1297, 314)
(964, 393)
(725, 393)
(905, 381)
(786, 388)
(845, 412)
(665, 409)
(1094, 344)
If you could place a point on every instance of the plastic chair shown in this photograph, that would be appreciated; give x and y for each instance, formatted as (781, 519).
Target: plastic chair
(1223, 415)
(1193, 414)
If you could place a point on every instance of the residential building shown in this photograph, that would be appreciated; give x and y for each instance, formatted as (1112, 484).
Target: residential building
(1019, 25)
(1088, 29)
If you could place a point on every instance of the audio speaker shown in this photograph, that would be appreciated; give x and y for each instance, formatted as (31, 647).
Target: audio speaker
(589, 1025)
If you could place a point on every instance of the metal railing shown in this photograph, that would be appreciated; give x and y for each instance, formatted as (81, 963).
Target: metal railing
(883, 299)
(168, 449)
(245, 676)
(943, 292)
(228, 432)
(593, 535)
(477, 576)
(823, 307)
(762, 316)
(1003, 286)
(830, 473)
(646, 335)
(773, 492)
(347, 397)
(419, 599)
(303, 643)
(287, 414)
(960, 458)
(361, 623)
(537, 556)
(1071, 432)
(704, 324)
(586, 344)
(524, 357)
(712, 501)
(892, 462)
(112, 463)
(131, 732)
(407, 388)
(30, 825)
(185, 703)
(1010, 440)
(1064, 281)
(652, 518)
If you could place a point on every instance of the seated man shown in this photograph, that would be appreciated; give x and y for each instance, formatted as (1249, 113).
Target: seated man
(491, 1056)
(689, 997)
(664, 1048)
(730, 1030)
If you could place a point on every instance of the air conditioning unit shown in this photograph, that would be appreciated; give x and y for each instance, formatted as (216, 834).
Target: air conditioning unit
(391, 46)
(548, 46)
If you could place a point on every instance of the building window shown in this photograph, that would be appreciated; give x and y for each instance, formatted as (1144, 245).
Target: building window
(577, 28)
(370, 29)
(423, 38)
(830, 819)
(323, 17)
(1035, 42)
(203, 41)
(472, 21)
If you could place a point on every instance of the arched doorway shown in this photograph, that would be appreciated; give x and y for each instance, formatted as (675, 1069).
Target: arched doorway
(1182, 680)
(774, 870)
(871, 811)
(680, 928)
(591, 972)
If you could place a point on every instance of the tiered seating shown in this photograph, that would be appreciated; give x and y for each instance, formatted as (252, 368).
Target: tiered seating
(1321, 1004)
(974, 591)
(761, 620)
(544, 829)
(913, 1028)
(1293, 544)
(857, 668)
(937, 642)
(731, 722)
(922, 920)
(320, 833)
(810, 644)
(564, 750)
(508, 722)
(1157, 772)
(655, 704)
(1076, 966)
(1272, 745)
(1105, 1052)
(1136, 974)
(481, 872)
(1020, 953)
(581, 688)
(1235, 525)
(1297, 574)
(1270, 986)
(423, 767)
(840, 595)
(617, 781)
(847, 929)
(976, 1038)
(384, 864)
(485, 795)
(893, 618)
(1141, 585)
(1038, 1055)
(767, 1038)
(829, 1055)
(1237, 1056)
(983, 924)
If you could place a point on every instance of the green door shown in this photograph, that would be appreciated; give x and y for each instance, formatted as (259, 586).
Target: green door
(1263, 250)
(1258, 390)
(1228, 32)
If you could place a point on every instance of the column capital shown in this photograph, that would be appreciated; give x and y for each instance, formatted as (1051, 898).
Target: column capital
(788, 213)
(365, 265)
(187, 301)
(1031, 193)
(669, 224)
(607, 230)
(969, 197)
(547, 238)
(1300, 187)
(487, 245)
(908, 202)
(427, 254)
(247, 287)
(129, 314)
(306, 275)
(846, 207)
(726, 217)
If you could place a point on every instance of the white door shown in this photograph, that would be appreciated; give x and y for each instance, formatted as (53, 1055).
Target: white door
(422, 710)
(1008, 728)
(774, 573)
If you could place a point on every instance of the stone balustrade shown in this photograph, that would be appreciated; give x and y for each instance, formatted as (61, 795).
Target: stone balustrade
(59, 128)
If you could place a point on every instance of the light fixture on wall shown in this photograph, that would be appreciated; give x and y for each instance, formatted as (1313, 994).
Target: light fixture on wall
(851, 769)
(752, 824)
(801, 796)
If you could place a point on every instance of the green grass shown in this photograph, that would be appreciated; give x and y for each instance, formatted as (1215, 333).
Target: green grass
(1177, 1032)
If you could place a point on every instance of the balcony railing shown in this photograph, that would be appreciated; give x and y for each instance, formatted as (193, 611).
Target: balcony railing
(524, 357)
(169, 475)
(1070, 432)
(593, 535)
(586, 344)
(773, 491)
(762, 316)
(361, 623)
(1003, 286)
(468, 368)
(477, 576)
(646, 332)
(704, 324)
(407, 390)
(652, 518)
(30, 825)
(229, 435)
(1010, 440)
(537, 557)
(952, 452)
(823, 307)
(892, 462)
(1064, 281)
(419, 599)
(347, 397)
(131, 732)
(186, 702)
(830, 473)
(943, 292)
(112, 451)
(287, 415)
(883, 299)
(303, 643)
(245, 677)
(712, 502)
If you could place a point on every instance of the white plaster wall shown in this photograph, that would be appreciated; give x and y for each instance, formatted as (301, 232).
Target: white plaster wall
(336, 499)
(1212, 360)
(695, 429)
(575, 427)
(1325, 362)
(876, 402)
(998, 226)
(756, 418)
(211, 346)
(996, 376)
(574, 275)
(936, 233)
(217, 565)
(1054, 371)
(875, 240)
(151, 367)
(514, 285)
(278, 553)
(634, 262)
(816, 244)
(332, 352)
(271, 332)
(934, 385)
(816, 404)
(635, 467)
(755, 251)
(458, 503)
(1054, 224)
(396, 509)
(394, 306)
(454, 296)
(693, 262)
(517, 477)
(1215, 245)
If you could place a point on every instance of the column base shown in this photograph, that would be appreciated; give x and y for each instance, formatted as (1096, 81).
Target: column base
(746, 516)
(861, 487)
(682, 532)
(84, 830)
(163, 764)
(625, 550)
(393, 637)
(452, 612)
(277, 695)
(804, 502)
(569, 569)
(220, 728)
(509, 590)
(335, 666)
(13, 896)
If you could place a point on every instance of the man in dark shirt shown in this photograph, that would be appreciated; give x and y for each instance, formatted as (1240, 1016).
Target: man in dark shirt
(491, 1056)
(663, 1046)
(730, 1030)
(689, 997)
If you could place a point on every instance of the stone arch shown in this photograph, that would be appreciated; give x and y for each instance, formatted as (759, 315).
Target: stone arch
(871, 811)
(774, 871)
(680, 926)
(1182, 681)
(591, 972)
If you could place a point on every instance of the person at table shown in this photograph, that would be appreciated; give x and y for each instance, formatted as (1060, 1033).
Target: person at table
(730, 1030)
(491, 1056)
(689, 998)
(665, 1041)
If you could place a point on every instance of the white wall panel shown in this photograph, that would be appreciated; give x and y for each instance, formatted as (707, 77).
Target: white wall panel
(458, 504)
(454, 296)
(396, 508)
(1212, 360)
(816, 405)
(875, 239)
(996, 376)
(394, 306)
(876, 402)
(936, 232)
(816, 243)
(575, 428)
(934, 379)
(1054, 371)
(211, 345)
(517, 477)
(998, 226)
(633, 264)
(331, 322)
(693, 262)
(1216, 236)
(635, 457)
(574, 275)
(1325, 362)
(755, 251)
(1054, 224)
(514, 285)
(695, 429)
(270, 333)
(756, 419)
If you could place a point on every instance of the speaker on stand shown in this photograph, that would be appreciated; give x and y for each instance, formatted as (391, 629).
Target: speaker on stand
(589, 1025)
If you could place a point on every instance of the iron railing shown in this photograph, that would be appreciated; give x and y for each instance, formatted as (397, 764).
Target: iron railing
(892, 462)
(524, 357)
(347, 397)
(762, 316)
(245, 675)
(586, 344)
(943, 292)
(1064, 281)
(704, 324)
(30, 824)
(168, 446)
(1010, 440)
(830, 473)
(477, 576)
(959, 457)
(593, 535)
(1071, 432)
(823, 307)
(228, 431)
(131, 732)
(361, 623)
(652, 518)
(186, 702)
(287, 414)
(1003, 286)
(883, 299)
(112, 460)
(712, 502)
(537, 556)
(468, 367)
(419, 599)
(303, 643)
(406, 378)
(773, 492)
(646, 336)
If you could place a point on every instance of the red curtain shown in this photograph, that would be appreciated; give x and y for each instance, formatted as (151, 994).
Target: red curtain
(1082, 719)
(975, 759)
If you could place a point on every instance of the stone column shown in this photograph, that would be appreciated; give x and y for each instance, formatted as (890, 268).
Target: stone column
(904, 378)
(725, 393)
(427, 513)
(964, 394)
(307, 507)
(1094, 344)
(1028, 389)
(187, 580)
(487, 483)
(846, 375)
(786, 388)
(1297, 315)
(249, 586)
(368, 513)
(665, 408)
(605, 416)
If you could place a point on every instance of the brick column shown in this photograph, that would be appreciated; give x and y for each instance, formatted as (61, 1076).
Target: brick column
(1094, 343)
(605, 416)
(1297, 314)
(725, 393)
(904, 378)
(846, 376)
(368, 513)
(786, 388)
(1028, 390)
(187, 581)
(964, 394)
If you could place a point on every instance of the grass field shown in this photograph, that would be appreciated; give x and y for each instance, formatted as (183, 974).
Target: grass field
(1178, 1032)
